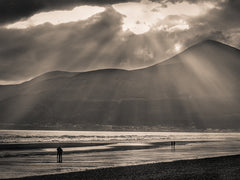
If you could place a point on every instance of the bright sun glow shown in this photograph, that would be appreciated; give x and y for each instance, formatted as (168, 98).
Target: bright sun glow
(177, 47)
(58, 17)
(140, 17)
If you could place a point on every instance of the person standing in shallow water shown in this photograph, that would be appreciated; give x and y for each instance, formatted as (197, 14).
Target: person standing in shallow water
(173, 143)
(59, 154)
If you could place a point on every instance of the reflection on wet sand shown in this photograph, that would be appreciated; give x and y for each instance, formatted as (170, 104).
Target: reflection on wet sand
(40, 158)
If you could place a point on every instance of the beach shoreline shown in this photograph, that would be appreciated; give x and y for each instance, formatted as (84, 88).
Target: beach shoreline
(31, 154)
(222, 167)
(110, 147)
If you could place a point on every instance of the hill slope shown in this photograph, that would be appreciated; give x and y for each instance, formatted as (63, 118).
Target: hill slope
(197, 89)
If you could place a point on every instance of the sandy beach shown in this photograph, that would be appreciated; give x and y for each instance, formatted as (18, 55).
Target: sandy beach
(225, 167)
(33, 153)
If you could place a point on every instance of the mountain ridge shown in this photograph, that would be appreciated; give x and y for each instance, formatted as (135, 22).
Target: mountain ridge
(194, 90)
(208, 41)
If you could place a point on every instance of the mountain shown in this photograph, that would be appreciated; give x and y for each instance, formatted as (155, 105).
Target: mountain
(197, 89)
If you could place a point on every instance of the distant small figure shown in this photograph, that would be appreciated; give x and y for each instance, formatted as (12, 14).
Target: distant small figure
(173, 143)
(59, 154)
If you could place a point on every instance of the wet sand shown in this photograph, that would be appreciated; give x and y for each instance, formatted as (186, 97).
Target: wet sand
(46, 145)
(69, 148)
(225, 167)
(28, 154)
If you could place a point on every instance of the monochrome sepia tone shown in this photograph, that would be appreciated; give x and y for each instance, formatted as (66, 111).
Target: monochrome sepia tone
(116, 89)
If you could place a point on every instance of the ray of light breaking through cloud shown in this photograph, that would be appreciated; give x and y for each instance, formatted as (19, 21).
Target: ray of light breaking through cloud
(141, 17)
(121, 34)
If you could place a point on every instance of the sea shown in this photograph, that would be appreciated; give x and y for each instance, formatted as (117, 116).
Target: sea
(33, 152)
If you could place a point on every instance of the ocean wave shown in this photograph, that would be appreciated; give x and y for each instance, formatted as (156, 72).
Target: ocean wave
(70, 138)
(16, 136)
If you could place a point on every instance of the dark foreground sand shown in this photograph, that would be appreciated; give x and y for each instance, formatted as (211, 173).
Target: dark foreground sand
(227, 167)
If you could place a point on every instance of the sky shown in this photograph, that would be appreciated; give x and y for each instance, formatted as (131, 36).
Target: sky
(38, 36)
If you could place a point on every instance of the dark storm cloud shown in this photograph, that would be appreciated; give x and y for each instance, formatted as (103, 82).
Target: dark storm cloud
(221, 24)
(12, 10)
(234, 2)
(82, 46)
(100, 42)
(231, 6)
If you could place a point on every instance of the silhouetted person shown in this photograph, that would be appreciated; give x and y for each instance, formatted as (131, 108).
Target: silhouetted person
(59, 154)
(173, 145)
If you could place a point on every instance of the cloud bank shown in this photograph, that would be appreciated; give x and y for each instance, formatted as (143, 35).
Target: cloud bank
(141, 17)
(58, 17)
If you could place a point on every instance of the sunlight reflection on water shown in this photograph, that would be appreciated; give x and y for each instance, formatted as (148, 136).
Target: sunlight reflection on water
(30, 136)
(121, 152)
